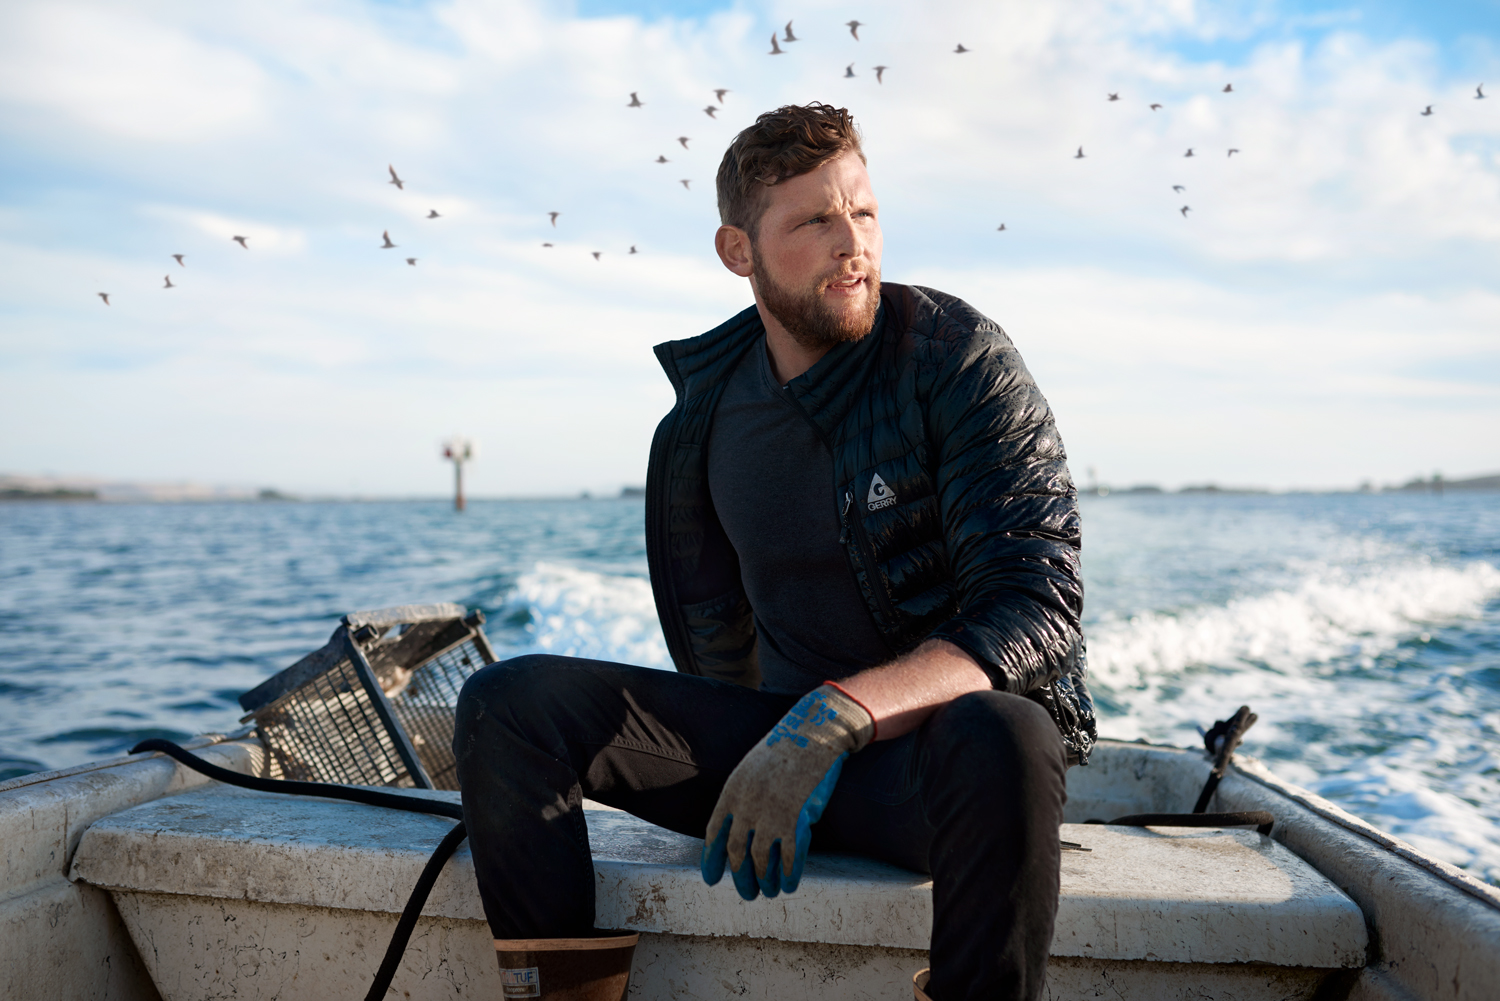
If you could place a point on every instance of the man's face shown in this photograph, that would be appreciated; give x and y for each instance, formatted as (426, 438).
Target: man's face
(816, 258)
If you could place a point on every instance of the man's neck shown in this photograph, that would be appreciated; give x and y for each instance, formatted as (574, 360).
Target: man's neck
(789, 359)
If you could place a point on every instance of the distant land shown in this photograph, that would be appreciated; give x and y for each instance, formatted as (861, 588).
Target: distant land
(33, 488)
(1435, 485)
(85, 489)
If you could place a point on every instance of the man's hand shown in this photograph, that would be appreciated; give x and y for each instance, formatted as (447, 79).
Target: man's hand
(762, 823)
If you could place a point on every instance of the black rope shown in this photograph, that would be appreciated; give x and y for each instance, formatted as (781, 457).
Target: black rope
(355, 794)
(1220, 742)
(414, 905)
(1262, 819)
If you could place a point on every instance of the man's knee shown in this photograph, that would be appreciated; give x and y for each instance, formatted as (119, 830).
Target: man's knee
(494, 693)
(1001, 732)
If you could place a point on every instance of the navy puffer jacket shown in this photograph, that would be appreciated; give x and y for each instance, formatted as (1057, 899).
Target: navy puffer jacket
(959, 516)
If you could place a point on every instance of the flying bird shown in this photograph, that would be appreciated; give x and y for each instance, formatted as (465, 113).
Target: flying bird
(854, 28)
(848, 71)
(662, 159)
(433, 214)
(169, 282)
(789, 36)
(1189, 152)
(178, 258)
(1427, 112)
(388, 245)
(1232, 152)
(633, 250)
(1114, 97)
(241, 241)
(1178, 188)
(880, 72)
(546, 244)
(635, 102)
(1155, 107)
(400, 184)
(710, 111)
(960, 48)
(597, 254)
(1001, 229)
(104, 296)
(1229, 88)
(720, 92)
(1185, 210)
(683, 140)
(685, 182)
(553, 216)
(1479, 94)
(412, 261)
(775, 49)
(1079, 154)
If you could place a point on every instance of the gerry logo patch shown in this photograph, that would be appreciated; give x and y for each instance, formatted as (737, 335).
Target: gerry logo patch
(880, 495)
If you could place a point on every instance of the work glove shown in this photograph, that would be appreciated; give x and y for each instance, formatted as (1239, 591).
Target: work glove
(763, 821)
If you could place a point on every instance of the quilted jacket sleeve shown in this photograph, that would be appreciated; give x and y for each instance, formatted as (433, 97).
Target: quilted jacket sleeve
(1009, 508)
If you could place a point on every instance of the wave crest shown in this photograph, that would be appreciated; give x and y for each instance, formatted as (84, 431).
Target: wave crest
(1322, 619)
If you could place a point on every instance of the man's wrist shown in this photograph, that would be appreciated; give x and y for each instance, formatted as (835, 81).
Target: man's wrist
(874, 724)
(826, 717)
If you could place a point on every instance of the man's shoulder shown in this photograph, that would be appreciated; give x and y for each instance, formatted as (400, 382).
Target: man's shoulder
(938, 325)
(689, 357)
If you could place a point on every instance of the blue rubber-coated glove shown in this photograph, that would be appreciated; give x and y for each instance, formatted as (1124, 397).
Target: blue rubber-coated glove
(763, 821)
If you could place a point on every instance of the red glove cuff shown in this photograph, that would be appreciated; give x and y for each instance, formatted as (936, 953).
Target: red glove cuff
(874, 723)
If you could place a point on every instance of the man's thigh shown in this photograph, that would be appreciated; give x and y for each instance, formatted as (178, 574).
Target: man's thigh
(657, 744)
(876, 808)
(973, 761)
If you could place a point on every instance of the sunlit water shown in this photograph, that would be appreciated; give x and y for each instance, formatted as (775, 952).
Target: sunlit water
(1365, 630)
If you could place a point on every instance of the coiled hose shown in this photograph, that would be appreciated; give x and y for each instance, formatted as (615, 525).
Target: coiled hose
(355, 794)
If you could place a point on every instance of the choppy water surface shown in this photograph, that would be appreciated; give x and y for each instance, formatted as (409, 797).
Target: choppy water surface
(1365, 630)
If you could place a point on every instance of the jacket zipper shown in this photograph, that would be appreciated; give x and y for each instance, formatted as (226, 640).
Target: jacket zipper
(866, 551)
(866, 555)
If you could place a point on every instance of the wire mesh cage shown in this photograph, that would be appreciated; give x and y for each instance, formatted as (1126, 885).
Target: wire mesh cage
(375, 705)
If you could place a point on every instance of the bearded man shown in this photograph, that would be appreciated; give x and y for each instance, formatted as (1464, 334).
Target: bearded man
(863, 543)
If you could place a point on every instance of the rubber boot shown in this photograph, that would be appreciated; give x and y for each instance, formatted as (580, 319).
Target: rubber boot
(566, 969)
(919, 984)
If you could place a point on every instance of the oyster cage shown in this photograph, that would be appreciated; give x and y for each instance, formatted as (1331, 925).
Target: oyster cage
(375, 705)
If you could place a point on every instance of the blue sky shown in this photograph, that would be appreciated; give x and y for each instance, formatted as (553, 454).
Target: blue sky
(1327, 312)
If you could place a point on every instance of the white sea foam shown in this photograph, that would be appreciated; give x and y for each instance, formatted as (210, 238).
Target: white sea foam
(580, 613)
(1327, 616)
(1305, 658)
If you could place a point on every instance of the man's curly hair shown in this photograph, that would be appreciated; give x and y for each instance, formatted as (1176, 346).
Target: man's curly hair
(791, 141)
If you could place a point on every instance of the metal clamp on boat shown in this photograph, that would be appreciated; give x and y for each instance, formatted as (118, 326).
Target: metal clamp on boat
(1221, 741)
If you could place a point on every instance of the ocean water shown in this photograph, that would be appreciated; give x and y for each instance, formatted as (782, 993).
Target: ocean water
(1364, 629)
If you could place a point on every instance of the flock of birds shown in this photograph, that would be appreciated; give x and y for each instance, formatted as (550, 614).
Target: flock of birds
(786, 37)
(244, 241)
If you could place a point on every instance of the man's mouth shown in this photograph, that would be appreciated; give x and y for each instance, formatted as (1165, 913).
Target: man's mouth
(847, 284)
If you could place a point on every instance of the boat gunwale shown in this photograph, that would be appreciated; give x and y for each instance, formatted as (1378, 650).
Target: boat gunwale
(200, 741)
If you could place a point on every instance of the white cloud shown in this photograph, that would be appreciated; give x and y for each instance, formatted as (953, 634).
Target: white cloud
(1324, 314)
(124, 73)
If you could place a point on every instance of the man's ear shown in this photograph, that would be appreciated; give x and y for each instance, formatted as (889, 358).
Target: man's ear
(733, 245)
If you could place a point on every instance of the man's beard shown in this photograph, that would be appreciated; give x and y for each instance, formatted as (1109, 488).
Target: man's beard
(808, 317)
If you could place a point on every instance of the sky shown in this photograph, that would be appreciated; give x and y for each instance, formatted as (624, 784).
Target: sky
(1327, 312)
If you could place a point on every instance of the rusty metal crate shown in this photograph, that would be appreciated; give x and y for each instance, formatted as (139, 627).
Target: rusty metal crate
(375, 705)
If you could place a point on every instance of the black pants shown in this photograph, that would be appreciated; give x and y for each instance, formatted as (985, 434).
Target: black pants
(974, 797)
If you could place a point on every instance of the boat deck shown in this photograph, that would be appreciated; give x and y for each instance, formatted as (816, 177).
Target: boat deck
(306, 891)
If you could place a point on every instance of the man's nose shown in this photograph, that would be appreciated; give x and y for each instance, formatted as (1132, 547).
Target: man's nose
(851, 239)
